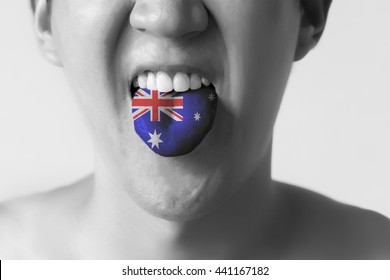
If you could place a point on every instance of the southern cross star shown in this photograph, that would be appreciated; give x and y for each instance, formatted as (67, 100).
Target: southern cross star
(211, 96)
(155, 139)
(197, 116)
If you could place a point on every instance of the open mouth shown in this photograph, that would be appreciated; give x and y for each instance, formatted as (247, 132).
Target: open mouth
(172, 112)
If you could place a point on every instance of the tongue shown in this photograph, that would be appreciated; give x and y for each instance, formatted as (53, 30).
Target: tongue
(175, 123)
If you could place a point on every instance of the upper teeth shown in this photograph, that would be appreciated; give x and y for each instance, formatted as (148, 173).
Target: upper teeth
(164, 82)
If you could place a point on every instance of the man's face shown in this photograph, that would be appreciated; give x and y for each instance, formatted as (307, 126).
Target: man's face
(244, 47)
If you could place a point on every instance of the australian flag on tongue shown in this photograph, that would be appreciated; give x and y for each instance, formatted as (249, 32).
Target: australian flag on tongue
(173, 124)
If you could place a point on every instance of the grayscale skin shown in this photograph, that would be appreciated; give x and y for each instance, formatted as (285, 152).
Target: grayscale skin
(218, 202)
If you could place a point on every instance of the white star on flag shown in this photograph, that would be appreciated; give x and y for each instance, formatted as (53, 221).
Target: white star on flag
(211, 96)
(155, 139)
(197, 116)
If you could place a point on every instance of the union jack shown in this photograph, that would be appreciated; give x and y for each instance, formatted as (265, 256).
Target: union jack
(155, 102)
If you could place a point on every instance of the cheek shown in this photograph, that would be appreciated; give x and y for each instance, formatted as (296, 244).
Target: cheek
(85, 34)
(260, 52)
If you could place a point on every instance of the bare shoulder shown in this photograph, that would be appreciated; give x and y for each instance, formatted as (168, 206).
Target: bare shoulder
(326, 229)
(30, 221)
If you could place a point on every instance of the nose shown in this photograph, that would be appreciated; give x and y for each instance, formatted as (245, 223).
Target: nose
(169, 18)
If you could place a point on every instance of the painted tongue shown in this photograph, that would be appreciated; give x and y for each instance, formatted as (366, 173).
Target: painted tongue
(175, 123)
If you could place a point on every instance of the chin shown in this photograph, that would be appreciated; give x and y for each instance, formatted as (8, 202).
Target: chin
(181, 212)
(177, 214)
(183, 198)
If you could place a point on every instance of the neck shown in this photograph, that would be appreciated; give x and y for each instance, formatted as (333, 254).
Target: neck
(123, 230)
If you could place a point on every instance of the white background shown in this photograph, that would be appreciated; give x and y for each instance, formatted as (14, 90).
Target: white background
(332, 134)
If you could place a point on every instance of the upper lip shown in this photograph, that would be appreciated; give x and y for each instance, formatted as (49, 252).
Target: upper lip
(204, 71)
